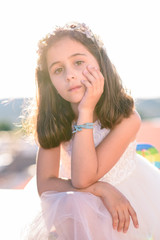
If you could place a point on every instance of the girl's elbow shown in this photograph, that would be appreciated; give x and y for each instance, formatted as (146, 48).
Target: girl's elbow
(40, 191)
(81, 183)
(41, 187)
(76, 183)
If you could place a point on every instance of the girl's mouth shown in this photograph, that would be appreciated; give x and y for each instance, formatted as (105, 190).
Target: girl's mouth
(73, 88)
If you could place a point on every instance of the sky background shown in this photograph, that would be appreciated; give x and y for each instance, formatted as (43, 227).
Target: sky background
(129, 29)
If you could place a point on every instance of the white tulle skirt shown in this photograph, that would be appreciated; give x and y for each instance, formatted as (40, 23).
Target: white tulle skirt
(83, 216)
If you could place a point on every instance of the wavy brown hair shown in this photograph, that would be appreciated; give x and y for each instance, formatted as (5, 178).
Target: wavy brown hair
(53, 116)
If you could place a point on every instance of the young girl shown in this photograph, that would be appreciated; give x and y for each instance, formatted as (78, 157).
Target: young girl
(90, 180)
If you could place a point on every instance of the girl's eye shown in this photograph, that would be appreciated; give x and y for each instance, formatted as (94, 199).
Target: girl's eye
(79, 63)
(58, 70)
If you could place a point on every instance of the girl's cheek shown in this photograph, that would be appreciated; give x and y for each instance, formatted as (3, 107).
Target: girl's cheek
(83, 67)
(54, 81)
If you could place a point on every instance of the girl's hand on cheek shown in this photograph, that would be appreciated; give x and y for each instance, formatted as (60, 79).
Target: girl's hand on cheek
(94, 84)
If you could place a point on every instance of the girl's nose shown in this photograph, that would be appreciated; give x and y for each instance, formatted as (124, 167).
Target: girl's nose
(70, 75)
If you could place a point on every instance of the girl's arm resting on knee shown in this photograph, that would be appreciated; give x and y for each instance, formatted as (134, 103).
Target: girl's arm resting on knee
(116, 203)
(89, 164)
(48, 161)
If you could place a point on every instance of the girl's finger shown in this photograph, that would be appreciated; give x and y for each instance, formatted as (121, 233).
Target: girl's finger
(115, 219)
(89, 76)
(87, 84)
(127, 220)
(93, 71)
(133, 216)
(98, 76)
(122, 220)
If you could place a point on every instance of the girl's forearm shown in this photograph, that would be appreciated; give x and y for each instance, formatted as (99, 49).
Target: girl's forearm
(65, 185)
(84, 163)
(113, 200)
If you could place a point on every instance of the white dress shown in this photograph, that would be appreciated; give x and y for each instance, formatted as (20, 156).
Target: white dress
(82, 216)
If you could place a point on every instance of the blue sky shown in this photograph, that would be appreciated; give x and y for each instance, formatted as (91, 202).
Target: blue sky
(129, 29)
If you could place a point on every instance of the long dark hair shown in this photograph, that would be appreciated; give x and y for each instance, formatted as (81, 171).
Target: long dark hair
(53, 116)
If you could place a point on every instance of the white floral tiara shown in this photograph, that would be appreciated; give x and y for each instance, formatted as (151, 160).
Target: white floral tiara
(74, 26)
(79, 27)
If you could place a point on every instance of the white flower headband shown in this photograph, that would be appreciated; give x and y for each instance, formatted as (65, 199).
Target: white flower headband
(78, 27)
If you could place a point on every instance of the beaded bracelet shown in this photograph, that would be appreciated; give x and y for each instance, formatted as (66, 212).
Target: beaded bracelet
(78, 128)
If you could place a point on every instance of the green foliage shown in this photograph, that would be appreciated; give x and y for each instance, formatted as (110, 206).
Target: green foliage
(5, 126)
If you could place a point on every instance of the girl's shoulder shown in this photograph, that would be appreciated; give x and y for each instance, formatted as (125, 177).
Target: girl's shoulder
(133, 120)
(128, 127)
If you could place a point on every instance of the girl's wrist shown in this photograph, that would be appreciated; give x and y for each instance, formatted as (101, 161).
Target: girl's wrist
(99, 189)
(86, 111)
(85, 117)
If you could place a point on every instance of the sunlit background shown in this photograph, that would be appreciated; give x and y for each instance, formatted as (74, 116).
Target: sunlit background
(129, 29)
(130, 32)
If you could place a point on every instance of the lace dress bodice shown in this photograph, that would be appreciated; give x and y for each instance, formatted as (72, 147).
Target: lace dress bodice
(120, 170)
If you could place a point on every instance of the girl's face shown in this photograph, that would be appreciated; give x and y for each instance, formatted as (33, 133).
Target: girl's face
(66, 61)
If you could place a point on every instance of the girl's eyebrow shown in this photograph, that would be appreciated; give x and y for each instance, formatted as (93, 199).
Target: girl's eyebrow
(73, 55)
